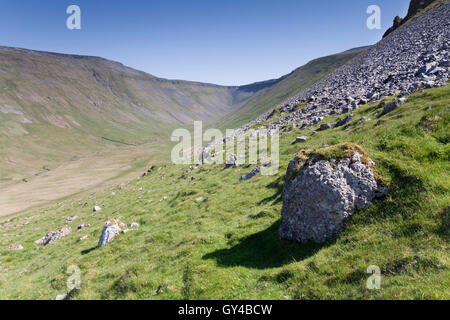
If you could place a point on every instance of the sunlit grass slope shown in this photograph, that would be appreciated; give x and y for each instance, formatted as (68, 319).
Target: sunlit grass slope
(224, 245)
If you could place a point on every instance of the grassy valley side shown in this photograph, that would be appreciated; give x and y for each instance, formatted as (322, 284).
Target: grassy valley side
(215, 237)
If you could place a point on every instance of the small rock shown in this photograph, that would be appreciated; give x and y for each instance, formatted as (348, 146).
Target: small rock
(324, 126)
(343, 121)
(83, 237)
(96, 209)
(301, 139)
(134, 225)
(19, 247)
(72, 218)
(83, 225)
(199, 199)
(402, 100)
(61, 296)
(391, 106)
(39, 241)
(363, 119)
(250, 175)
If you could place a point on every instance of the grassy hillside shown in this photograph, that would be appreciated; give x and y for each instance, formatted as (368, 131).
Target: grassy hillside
(59, 111)
(224, 245)
(287, 86)
(54, 107)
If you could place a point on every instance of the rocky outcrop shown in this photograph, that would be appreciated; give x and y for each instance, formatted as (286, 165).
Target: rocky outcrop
(414, 7)
(321, 193)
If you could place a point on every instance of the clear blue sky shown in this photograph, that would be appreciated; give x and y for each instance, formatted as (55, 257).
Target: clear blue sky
(227, 42)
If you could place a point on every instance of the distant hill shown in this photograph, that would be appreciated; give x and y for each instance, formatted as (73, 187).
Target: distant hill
(57, 106)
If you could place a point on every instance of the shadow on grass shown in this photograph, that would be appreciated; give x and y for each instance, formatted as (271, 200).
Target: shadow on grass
(277, 196)
(88, 250)
(406, 190)
(262, 250)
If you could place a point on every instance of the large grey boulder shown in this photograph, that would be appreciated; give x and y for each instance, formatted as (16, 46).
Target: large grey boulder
(111, 229)
(320, 194)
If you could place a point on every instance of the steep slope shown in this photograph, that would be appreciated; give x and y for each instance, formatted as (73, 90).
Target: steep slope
(285, 87)
(414, 9)
(413, 57)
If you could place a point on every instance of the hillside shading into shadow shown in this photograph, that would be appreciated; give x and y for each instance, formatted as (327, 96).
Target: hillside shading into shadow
(262, 251)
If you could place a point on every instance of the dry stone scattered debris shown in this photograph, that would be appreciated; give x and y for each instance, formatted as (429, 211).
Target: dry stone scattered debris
(54, 235)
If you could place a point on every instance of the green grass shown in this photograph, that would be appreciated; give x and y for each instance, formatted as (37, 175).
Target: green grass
(226, 247)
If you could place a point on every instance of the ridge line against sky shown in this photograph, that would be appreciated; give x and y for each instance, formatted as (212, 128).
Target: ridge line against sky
(220, 42)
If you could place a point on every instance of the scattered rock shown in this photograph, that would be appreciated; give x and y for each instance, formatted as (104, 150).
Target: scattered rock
(250, 175)
(18, 247)
(72, 218)
(40, 240)
(56, 235)
(319, 195)
(83, 225)
(83, 237)
(344, 121)
(402, 100)
(134, 225)
(96, 209)
(391, 106)
(363, 119)
(199, 199)
(111, 229)
(301, 139)
(324, 126)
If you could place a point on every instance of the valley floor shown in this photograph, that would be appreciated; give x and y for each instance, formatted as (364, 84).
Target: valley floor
(87, 174)
(215, 237)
